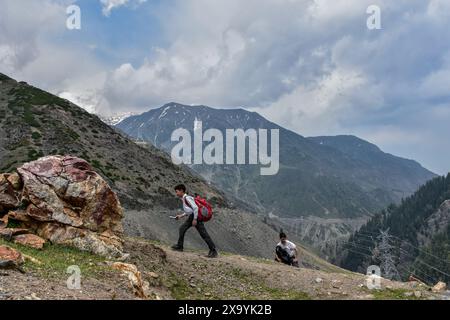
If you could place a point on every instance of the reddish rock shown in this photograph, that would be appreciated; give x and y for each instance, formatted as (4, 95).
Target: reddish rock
(15, 181)
(69, 203)
(4, 221)
(9, 257)
(64, 201)
(9, 233)
(9, 197)
(19, 215)
(30, 240)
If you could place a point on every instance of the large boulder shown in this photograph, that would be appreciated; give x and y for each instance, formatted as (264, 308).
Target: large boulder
(66, 202)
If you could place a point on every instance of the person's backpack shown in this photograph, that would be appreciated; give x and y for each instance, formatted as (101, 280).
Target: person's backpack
(205, 211)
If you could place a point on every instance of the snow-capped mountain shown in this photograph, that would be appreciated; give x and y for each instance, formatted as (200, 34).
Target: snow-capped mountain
(117, 118)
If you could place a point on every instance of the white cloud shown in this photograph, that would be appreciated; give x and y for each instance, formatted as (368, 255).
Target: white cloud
(323, 101)
(28, 51)
(310, 65)
(20, 30)
(109, 5)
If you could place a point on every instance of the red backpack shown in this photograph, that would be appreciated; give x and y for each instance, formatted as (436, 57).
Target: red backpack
(205, 211)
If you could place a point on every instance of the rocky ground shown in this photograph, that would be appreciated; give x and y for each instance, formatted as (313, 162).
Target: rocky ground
(189, 275)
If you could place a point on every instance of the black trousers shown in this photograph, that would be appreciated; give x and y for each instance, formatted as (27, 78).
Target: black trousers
(285, 257)
(201, 230)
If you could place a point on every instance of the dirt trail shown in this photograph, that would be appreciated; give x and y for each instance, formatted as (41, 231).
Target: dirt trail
(190, 275)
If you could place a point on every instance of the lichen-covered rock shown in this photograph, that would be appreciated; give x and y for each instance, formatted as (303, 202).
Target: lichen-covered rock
(10, 258)
(15, 181)
(439, 287)
(140, 287)
(9, 233)
(65, 201)
(9, 196)
(30, 240)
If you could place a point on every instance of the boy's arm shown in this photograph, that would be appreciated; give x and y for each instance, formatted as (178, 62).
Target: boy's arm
(181, 216)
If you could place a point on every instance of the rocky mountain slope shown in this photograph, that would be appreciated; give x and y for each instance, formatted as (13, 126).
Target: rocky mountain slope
(418, 239)
(34, 123)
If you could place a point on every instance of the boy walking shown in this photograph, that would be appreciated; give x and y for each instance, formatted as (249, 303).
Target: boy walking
(190, 209)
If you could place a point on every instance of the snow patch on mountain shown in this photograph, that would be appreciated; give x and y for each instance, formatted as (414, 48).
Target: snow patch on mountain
(117, 118)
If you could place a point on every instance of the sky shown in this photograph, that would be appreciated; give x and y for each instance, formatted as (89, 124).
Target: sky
(312, 66)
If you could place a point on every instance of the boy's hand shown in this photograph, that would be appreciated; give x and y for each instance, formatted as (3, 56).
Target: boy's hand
(178, 217)
(194, 222)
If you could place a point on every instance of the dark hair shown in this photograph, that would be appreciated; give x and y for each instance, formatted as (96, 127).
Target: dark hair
(283, 235)
(181, 187)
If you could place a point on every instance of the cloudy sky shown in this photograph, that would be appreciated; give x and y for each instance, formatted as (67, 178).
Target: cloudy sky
(312, 66)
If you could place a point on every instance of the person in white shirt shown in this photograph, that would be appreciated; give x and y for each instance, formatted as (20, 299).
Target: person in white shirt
(286, 251)
(190, 209)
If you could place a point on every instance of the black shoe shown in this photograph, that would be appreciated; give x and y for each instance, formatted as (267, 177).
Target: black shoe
(177, 248)
(213, 254)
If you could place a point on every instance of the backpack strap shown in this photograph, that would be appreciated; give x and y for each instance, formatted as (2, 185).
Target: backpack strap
(187, 203)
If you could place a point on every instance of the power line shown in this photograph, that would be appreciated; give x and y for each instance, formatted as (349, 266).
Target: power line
(425, 276)
(434, 268)
(407, 253)
(360, 247)
(408, 270)
(421, 261)
(420, 250)
(357, 252)
(416, 267)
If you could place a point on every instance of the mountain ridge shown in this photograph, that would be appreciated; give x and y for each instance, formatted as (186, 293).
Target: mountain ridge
(317, 183)
(155, 126)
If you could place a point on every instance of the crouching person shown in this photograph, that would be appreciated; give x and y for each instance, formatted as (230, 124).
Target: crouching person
(286, 251)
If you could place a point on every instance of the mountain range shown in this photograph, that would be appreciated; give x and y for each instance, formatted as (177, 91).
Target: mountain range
(332, 177)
